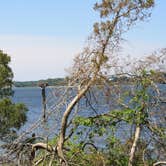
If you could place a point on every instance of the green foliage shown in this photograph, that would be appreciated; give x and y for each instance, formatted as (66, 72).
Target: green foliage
(84, 155)
(117, 154)
(6, 76)
(136, 112)
(12, 116)
(83, 121)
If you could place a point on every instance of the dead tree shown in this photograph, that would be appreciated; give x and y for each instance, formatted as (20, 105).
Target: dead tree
(90, 64)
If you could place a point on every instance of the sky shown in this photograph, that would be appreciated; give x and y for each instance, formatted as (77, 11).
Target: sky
(42, 37)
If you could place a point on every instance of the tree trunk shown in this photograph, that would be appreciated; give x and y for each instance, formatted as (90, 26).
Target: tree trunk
(133, 148)
(159, 163)
(65, 119)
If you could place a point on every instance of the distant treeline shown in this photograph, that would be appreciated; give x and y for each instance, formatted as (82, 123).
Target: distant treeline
(160, 78)
(51, 82)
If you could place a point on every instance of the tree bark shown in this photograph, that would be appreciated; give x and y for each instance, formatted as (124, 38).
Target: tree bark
(65, 118)
(159, 163)
(42, 146)
(82, 92)
(133, 148)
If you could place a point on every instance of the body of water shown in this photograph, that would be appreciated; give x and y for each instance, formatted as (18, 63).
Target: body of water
(32, 98)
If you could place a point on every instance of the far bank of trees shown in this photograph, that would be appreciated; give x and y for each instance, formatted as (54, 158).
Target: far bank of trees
(50, 82)
(63, 81)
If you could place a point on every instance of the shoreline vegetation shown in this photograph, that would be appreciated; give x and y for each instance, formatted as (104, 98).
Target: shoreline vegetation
(50, 81)
(63, 81)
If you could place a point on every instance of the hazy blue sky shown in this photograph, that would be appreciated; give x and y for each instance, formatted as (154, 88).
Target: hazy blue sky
(43, 36)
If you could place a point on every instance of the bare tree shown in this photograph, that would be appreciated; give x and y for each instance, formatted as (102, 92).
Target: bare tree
(90, 64)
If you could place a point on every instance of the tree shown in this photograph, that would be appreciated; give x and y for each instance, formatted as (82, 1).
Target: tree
(91, 63)
(6, 76)
(12, 116)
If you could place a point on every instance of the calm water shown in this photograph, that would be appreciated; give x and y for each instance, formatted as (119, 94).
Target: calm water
(31, 97)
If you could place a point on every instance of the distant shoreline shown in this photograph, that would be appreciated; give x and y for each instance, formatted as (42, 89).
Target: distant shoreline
(63, 82)
(50, 81)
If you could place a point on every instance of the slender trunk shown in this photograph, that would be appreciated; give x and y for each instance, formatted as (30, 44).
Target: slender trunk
(44, 102)
(82, 93)
(65, 119)
(135, 143)
(159, 163)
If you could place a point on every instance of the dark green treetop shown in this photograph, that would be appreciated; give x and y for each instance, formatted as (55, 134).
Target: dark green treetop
(6, 76)
(12, 116)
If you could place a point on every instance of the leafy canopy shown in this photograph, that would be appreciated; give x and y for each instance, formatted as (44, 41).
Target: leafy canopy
(12, 116)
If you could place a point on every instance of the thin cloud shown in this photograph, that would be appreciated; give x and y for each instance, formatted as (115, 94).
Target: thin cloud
(38, 57)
